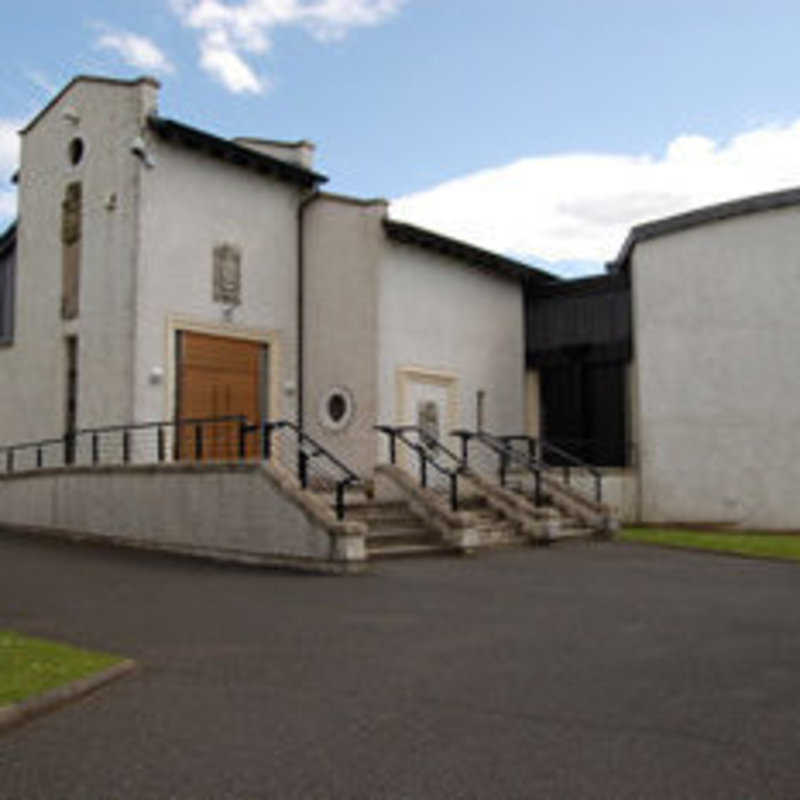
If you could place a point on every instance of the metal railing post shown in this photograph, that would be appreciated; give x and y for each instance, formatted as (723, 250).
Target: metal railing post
(69, 449)
(242, 442)
(464, 436)
(39, 458)
(423, 468)
(160, 444)
(454, 491)
(198, 442)
(340, 499)
(302, 467)
(95, 449)
(392, 447)
(10, 459)
(126, 446)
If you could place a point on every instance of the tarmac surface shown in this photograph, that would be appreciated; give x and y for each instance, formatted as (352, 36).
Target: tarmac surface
(579, 671)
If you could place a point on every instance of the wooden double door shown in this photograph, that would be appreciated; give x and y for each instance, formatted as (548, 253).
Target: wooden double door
(219, 377)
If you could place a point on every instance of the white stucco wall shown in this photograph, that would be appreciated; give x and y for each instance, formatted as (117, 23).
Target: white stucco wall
(344, 239)
(717, 372)
(191, 203)
(439, 314)
(32, 371)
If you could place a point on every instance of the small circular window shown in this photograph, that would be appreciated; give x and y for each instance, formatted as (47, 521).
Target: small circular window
(336, 408)
(75, 151)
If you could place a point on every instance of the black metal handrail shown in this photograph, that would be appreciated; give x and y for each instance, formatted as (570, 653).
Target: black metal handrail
(307, 450)
(534, 459)
(70, 440)
(426, 451)
(596, 452)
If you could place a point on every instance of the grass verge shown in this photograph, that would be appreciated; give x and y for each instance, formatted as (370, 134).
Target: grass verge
(756, 544)
(30, 666)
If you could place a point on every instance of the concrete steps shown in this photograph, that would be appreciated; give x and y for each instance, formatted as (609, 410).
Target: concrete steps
(492, 527)
(394, 532)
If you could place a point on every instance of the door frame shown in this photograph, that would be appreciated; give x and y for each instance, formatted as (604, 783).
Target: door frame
(404, 377)
(269, 338)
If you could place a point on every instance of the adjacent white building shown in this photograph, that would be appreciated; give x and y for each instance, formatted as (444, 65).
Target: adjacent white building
(715, 373)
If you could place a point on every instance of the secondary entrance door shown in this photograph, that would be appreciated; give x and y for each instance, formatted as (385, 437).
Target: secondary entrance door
(219, 377)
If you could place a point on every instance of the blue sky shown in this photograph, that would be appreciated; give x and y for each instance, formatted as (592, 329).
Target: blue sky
(542, 129)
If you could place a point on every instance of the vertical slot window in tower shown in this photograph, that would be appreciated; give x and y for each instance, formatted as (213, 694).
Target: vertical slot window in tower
(71, 399)
(71, 230)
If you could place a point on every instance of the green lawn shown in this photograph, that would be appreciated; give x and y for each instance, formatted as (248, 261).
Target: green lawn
(30, 666)
(758, 545)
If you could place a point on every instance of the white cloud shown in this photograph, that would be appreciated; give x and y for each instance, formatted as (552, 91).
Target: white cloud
(579, 207)
(136, 51)
(220, 60)
(227, 31)
(9, 160)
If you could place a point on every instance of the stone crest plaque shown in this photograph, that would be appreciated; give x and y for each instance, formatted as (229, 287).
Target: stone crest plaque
(428, 423)
(71, 213)
(227, 275)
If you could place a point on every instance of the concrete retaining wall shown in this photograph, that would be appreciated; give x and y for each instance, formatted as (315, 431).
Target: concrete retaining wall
(233, 512)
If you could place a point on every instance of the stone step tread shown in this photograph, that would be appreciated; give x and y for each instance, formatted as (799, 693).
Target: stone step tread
(379, 546)
(372, 506)
(400, 520)
(409, 550)
(475, 506)
(497, 526)
(382, 534)
(411, 523)
(490, 521)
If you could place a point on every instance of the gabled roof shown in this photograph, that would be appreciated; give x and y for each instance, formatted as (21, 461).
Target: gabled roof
(702, 216)
(90, 79)
(8, 239)
(494, 262)
(227, 150)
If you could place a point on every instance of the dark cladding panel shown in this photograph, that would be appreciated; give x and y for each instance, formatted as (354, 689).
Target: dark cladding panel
(8, 268)
(583, 410)
(587, 320)
(579, 338)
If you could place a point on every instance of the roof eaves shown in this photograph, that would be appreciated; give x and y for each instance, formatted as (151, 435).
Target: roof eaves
(702, 216)
(228, 150)
(411, 234)
(353, 200)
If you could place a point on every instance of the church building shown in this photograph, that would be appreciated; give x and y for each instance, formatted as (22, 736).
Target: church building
(157, 271)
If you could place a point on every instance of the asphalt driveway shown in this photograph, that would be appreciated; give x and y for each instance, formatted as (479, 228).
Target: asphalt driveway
(592, 670)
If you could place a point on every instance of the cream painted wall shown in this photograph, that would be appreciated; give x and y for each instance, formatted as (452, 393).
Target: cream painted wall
(32, 371)
(533, 403)
(344, 239)
(438, 314)
(717, 372)
(191, 203)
